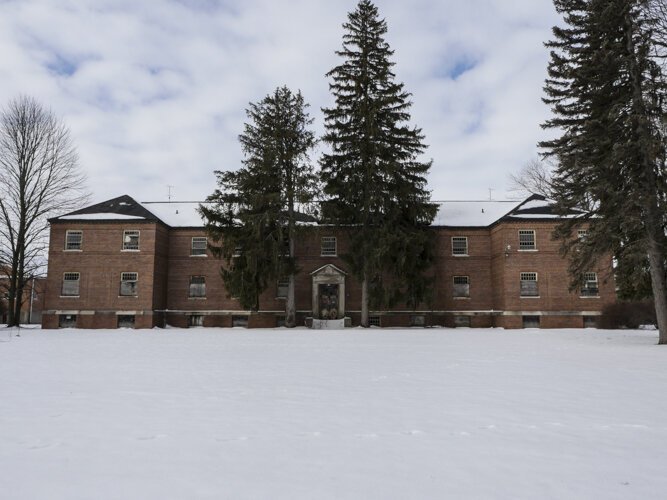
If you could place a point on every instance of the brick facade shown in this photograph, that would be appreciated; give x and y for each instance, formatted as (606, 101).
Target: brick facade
(165, 264)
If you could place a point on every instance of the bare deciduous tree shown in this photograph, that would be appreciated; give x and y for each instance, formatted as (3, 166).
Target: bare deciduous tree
(39, 178)
(533, 178)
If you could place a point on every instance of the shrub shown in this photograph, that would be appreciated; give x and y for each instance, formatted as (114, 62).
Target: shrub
(628, 314)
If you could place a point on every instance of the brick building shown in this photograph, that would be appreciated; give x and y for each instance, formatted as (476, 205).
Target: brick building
(122, 263)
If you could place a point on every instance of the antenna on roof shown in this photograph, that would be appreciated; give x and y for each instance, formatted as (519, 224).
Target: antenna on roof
(169, 186)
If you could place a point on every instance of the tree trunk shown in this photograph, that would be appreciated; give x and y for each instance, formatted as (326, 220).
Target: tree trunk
(290, 306)
(657, 269)
(364, 302)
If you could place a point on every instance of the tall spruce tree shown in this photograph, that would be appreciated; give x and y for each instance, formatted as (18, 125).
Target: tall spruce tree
(252, 216)
(374, 182)
(607, 96)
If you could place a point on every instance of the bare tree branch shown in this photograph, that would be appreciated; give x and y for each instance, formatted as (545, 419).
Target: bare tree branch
(39, 178)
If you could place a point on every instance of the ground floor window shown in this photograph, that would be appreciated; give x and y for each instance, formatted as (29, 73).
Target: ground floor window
(531, 321)
(374, 321)
(462, 321)
(196, 320)
(67, 321)
(126, 321)
(241, 321)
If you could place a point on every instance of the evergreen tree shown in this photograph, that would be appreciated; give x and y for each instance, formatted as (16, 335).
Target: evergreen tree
(252, 216)
(607, 97)
(373, 179)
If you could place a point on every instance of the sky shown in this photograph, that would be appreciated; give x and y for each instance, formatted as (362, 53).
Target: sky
(154, 92)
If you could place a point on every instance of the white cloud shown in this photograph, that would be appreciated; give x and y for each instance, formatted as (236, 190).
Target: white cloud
(155, 92)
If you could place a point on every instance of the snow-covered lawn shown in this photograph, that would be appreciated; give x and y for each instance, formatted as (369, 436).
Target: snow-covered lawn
(381, 414)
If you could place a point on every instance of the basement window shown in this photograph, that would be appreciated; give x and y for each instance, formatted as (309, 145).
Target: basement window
(531, 321)
(462, 321)
(67, 321)
(196, 320)
(126, 321)
(240, 321)
(374, 321)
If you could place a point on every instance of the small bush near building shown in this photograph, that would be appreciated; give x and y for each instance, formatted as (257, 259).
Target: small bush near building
(628, 314)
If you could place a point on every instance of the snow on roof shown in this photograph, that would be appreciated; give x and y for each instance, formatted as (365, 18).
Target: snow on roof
(451, 213)
(471, 213)
(176, 213)
(100, 216)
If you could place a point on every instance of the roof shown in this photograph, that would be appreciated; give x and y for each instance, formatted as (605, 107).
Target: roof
(450, 213)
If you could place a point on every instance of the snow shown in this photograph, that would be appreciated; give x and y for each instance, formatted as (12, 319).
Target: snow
(176, 214)
(471, 213)
(353, 414)
(100, 216)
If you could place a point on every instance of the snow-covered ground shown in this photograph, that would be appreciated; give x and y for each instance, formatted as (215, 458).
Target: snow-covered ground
(381, 414)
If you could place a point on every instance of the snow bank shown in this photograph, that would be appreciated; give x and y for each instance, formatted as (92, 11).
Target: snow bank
(385, 414)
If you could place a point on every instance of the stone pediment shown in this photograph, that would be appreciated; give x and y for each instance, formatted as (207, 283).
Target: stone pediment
(328, 270)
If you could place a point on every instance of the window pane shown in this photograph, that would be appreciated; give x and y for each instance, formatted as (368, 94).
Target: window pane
(526, 239)
(73, 240)
(197, 286)
(328, 246)
(589, 287)
(128, 283)
(459, 245)
(529, 285)
(70, 284)
(130, 240)
(461, 286)
(198, 245)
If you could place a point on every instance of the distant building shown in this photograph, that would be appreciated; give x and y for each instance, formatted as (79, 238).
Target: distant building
(33, 300)
(121, 263)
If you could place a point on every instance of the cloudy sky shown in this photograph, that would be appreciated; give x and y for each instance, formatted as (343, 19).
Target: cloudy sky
(155, 92)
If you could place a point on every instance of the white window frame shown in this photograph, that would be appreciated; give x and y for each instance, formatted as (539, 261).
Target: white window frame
(126, 277)
(455, 284)
(67, 242)
(529, 277)
(70, 275)
(460, 252)
(582, 234)
(195, 246)
(127, 235)
(527, 246)
(587, 279)
(197, 290)
(328, 246)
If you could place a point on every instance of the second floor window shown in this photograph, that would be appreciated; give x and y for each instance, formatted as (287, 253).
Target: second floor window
(197, 286)
(589, 285)
(73, 240)
(71, 284)
(529, 285)
(459, 245)
(328, 246)
(461, 286)
(131, 240)
(527, 239)
(198, 246)
(128, 284)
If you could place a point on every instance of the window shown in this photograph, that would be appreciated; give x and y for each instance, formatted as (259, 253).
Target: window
(589, 285)
(67, 321)
(70, 285)
(526, 239)
(238, 250)
(241, 321)
(582, 234)
(374, 321)
(459, 245)
(328, 246)
(73, 240)
(199, 244)
(126, 321)
(461, 286)
(197, 286)
(282, 287)
(531, 321)
(529, 285)
(417, 320)
(128, 284)
(280, 321)
(196, 320)
(462, 321)
(131, 240)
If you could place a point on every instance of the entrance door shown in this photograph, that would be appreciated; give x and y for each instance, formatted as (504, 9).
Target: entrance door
(328, 300)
